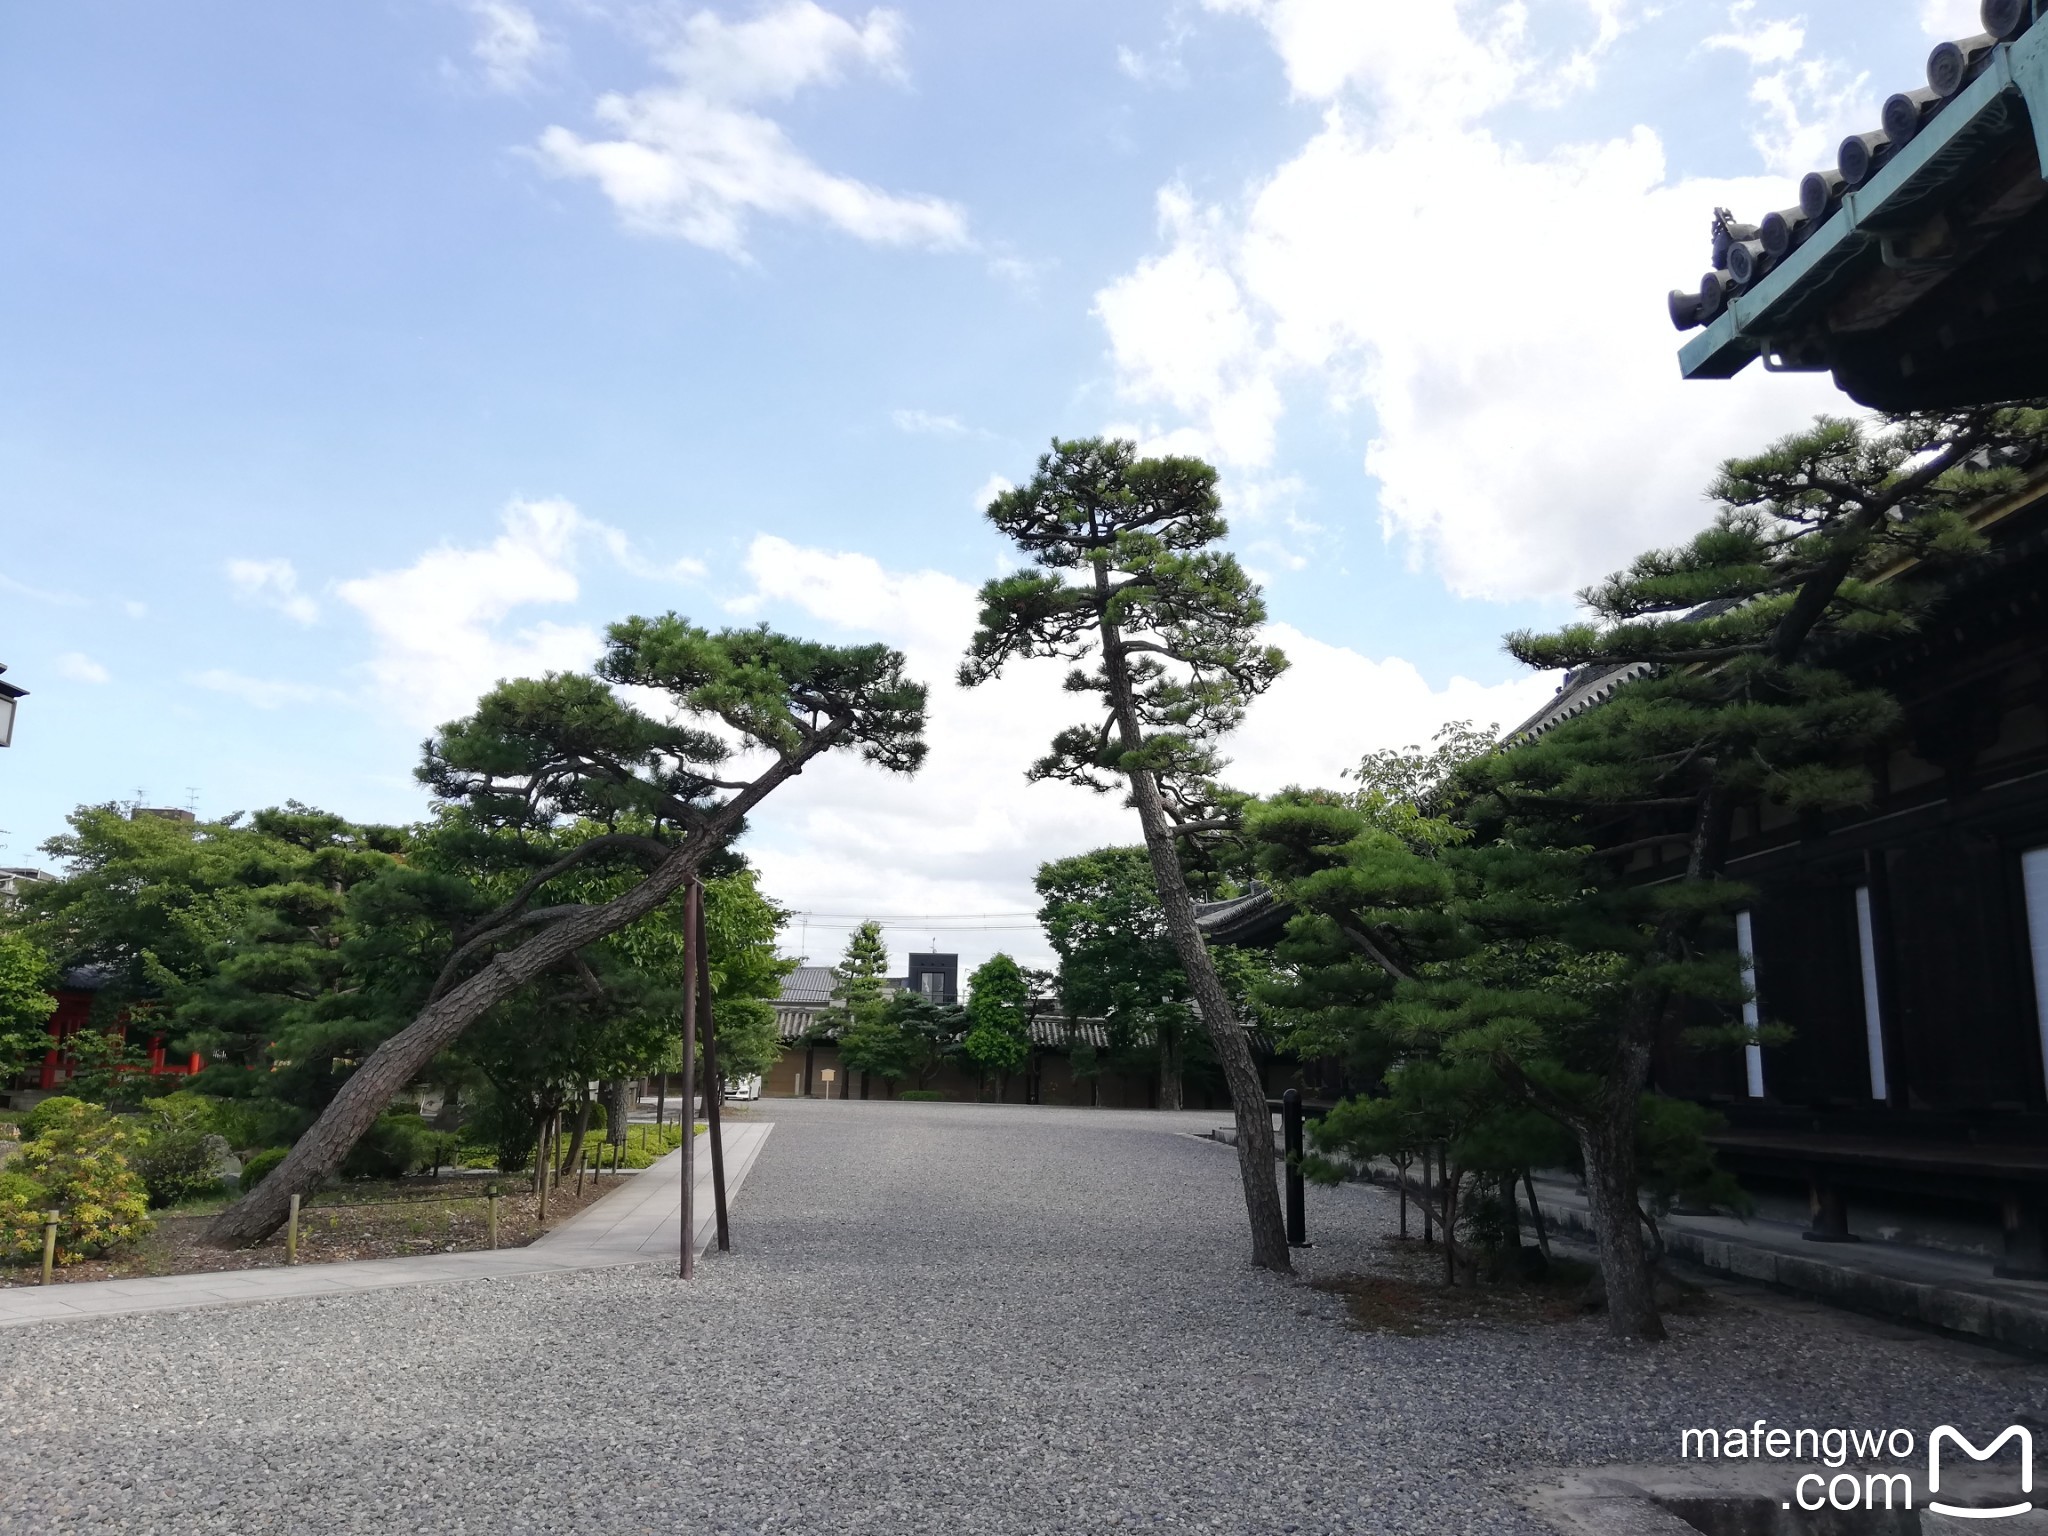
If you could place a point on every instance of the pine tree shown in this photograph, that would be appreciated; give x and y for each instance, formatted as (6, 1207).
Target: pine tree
(1124, 569)
(859, 984)
(543, 752)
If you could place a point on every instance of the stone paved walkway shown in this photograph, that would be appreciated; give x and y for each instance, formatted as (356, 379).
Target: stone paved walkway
(638, 1224)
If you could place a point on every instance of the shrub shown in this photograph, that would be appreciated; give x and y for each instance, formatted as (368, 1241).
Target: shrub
(187, 1111)
(22, 1203)
(643, 1145)
(393, 1146)
(78, 1158)
(47, 1113)
(921, 1095)
(505, 1128)
(258, 1164)
(176, 1166)
(599, 1120)
(180, 1153)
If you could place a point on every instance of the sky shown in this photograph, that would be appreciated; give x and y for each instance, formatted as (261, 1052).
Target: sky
(355, 357)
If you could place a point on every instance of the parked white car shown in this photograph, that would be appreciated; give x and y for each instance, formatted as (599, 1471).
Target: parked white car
(748, 1087)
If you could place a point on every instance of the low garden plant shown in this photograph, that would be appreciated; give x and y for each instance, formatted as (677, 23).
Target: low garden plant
(76, 1165)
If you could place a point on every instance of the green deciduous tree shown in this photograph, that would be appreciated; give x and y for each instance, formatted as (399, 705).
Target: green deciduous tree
(1102, 916)
(1124, 569)
(539, 753)
(998, 1037)
(26, 1004)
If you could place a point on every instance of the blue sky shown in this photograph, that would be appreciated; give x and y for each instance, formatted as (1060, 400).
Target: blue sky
(357, 356)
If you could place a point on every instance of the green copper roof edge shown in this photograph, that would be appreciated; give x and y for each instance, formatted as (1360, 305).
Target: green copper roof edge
(1728, 345)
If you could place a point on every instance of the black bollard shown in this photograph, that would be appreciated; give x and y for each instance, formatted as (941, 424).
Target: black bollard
(1290, 1130)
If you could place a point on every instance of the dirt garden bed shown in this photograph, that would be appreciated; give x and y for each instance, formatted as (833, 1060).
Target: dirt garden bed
(369, 1219)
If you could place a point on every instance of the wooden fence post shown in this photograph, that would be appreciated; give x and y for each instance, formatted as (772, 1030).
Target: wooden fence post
(494, 1215)
(291, 1233)
(50, 1219)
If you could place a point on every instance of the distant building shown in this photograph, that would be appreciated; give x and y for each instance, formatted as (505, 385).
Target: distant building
(16, 880)
(810, 1065)
(936, 976)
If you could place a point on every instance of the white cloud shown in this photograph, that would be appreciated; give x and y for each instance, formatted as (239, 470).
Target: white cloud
(438, 626)
(1950, 18)
(1500, 311)
(509, 44)
(1810, 104)
(260, 693)
(135, 610)
(928, 424)
(967, 833)
(275, 584)
(1769, 41)
(689, 159)
(81, 668)
(988, 491)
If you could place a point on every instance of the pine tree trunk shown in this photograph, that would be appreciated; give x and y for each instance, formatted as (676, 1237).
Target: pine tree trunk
(1170, 1085)
(1607, 1141)
(1233, 1050)
(438, 1025)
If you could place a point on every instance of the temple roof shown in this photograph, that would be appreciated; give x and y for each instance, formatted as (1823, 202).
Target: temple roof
(1916, 268)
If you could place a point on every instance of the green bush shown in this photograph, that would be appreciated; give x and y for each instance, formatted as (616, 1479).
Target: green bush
(502, 1127)
(644, 1144)
(78, 1159)
(393, 1146)
(48, 1113)
(179, 1152)
(187, 1111)
(22, 1203)
(178, 1165)
(922, 1095)
(258, 1164)
(599, 1120)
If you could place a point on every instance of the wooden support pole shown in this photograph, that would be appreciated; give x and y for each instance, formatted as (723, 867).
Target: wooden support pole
(547, 1168)
(50, 1220)
(492, 1220)
(693, 961)
(714, 1090)
(291, 1233)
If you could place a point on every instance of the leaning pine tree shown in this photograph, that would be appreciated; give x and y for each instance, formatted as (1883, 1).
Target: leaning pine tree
(1124, 570)
(539, 752)
(1735, 661)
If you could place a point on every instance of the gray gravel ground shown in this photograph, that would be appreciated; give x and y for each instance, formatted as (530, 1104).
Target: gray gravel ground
(941, 1318)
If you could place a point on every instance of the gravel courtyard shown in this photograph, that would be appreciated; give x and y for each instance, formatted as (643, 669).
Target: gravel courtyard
(940, 1318)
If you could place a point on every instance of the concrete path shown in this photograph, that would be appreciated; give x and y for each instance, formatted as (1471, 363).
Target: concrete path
(641, 1223)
